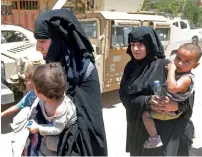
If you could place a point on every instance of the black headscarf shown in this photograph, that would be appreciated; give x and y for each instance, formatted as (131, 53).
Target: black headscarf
(69, 43)
(71, 47)
(136, 88)
(137, 72)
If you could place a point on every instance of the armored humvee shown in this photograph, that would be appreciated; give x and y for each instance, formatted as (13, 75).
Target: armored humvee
(108, 33)
(17, 52)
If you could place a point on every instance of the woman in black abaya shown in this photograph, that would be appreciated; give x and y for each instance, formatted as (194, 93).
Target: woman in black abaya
(147, 64)
(60, 38)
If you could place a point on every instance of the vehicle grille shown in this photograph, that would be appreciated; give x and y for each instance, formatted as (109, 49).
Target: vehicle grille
(20, 48)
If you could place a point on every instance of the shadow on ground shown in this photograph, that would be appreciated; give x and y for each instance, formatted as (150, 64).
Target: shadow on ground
(5, 121)
(109, 99)
(196, 152)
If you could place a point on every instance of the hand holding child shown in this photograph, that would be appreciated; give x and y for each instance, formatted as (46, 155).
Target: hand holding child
(33, 127)
(156, 104)
(169, 105)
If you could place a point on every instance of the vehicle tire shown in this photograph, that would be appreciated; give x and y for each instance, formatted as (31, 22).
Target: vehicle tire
(195, 40)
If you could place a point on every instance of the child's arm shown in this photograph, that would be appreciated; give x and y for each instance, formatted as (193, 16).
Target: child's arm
(9, 111)
(174, 85)
(54, 129)
(27, 100)
(48, 129)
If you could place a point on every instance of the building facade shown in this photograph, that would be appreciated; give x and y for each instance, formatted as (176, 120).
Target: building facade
(25, 12)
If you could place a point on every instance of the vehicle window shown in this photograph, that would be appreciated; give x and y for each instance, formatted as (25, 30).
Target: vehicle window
(163, 33)
(3, 39)
(119, 36)
(176, 24)
(90, 28)
(183, 25)
(13, 36)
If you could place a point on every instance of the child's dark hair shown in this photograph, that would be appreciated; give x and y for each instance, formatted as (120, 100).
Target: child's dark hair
(193, 48)
(49, 79)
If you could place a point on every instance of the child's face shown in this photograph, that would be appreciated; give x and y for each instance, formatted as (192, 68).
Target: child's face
(28, 82)
(185, 61)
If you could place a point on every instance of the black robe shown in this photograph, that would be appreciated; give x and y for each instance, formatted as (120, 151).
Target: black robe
(71, 47)
(87, 135)
(176, 134)
(135, 89)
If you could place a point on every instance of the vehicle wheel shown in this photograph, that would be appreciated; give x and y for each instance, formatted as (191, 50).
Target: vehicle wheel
(195, 40)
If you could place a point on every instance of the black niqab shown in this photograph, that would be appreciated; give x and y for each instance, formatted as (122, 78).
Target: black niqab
(134, 78)
(69, 43)
(62, 23)
(135, 89)
(151, 40)
(71, 47)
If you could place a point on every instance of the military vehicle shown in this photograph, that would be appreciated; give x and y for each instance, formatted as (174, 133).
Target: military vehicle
(108, 33)
(17, 52)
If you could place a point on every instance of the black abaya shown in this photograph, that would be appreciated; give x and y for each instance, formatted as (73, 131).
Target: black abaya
(71, 47)
(176, 134)
(136, 87)
(88, 137)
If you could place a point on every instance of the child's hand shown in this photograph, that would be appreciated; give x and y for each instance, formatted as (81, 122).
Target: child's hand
(33, 128)
(171, 66)
(2, 114)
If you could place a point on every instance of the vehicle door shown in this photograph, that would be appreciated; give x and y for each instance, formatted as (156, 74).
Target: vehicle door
(179, 33)
(116, 58)
(92, 28)
(163, 31)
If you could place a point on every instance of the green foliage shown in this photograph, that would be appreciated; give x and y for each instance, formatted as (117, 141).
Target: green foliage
(186, 8)
(192, 12)
(173, 7)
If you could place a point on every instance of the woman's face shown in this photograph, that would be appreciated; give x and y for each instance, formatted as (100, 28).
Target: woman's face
(138, 50)
(43, 45)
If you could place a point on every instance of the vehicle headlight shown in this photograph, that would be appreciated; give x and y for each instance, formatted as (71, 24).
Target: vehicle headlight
(18, 62)
(36, 63)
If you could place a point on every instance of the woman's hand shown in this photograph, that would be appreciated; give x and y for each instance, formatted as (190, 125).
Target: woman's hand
(169, 105)
(33, 128)
(156, 104)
